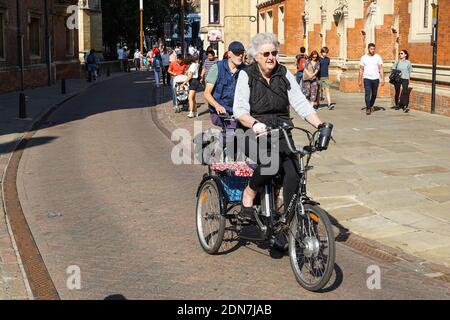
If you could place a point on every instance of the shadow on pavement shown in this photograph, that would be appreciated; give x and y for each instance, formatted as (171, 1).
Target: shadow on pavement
(116, 297)
(116, 94)
(25, 144)
(338, 277)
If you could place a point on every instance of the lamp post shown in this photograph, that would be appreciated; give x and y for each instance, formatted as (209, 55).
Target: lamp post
(47, 45)
(141, 32)
(435, 43)
(20, 45)
(182, 26)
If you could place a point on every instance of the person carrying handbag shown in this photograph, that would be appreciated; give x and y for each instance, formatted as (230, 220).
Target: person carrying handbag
(401, 74)
(310, 79)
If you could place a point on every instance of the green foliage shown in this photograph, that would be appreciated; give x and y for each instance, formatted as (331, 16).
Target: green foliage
(121, 19)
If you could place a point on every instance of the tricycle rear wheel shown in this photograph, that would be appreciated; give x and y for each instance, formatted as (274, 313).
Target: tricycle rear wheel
(209, 218)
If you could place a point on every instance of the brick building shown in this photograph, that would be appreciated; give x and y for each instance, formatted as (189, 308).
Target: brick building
(63, 43)
(347, 26)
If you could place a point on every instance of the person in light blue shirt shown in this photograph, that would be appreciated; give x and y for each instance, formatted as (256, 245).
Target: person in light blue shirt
(404, 65)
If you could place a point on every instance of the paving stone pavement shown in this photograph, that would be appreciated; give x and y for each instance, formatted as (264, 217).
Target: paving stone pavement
(386, 179)
(12, 129)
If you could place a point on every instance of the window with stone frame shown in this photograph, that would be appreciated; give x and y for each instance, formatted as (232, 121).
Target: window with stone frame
(281, 24)
(34, 36)
(262, 22)
(269, 21)
(214, 11)
(2, 35)
(426, 10)
(420, 22)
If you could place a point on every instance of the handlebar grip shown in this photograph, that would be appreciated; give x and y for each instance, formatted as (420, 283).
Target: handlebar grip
(323, 140)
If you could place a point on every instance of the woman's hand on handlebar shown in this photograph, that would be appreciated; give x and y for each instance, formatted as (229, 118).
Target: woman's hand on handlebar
(259, 128)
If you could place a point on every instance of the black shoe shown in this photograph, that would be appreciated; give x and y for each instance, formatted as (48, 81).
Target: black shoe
(331, 106)
(405, 109)
(368, 111)
(247, 213)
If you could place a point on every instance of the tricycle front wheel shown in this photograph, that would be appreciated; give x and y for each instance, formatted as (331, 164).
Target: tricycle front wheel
(312, 248)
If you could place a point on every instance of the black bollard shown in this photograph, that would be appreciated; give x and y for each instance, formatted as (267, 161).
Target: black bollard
(22, 106)
(63, 86)
(89, 76)
(108, 72)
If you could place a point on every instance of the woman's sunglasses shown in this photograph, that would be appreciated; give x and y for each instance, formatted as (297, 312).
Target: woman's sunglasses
(267, 54)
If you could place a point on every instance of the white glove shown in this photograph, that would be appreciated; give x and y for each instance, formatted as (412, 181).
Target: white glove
(259, 128)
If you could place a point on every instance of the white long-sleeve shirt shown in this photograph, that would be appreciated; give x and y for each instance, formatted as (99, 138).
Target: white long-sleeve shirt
(297, 100)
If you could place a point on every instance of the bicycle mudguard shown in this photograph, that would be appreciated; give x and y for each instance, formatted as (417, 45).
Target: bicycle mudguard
(311, 202)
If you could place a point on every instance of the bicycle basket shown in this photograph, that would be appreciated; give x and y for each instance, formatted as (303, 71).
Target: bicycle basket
(234, 187)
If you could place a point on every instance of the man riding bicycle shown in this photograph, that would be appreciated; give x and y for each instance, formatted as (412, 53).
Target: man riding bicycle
(264, 93)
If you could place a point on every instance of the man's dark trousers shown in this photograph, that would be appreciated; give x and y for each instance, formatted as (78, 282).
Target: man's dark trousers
(371, 89)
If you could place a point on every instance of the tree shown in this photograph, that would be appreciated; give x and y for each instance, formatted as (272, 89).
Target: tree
(121, 19)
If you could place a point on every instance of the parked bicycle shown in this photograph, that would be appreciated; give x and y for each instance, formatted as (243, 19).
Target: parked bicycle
(304, 228)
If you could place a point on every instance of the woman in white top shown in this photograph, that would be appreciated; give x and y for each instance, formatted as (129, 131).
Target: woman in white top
(194, 84)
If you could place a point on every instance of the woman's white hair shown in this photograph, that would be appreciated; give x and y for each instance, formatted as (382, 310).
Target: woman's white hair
(258, 41)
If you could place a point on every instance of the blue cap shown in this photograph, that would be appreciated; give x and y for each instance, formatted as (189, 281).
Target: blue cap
(236, 46)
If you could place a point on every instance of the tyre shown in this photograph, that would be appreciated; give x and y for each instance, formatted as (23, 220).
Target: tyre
(210, 221)
(312, 249)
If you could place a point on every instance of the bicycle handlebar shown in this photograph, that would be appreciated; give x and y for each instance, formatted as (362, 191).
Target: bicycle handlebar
(319, 144)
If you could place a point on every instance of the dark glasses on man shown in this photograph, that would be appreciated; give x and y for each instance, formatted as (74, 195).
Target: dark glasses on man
(238, 53)
(267, 54)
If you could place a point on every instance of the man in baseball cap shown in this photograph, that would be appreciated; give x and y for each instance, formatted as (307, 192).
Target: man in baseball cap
(221, 82)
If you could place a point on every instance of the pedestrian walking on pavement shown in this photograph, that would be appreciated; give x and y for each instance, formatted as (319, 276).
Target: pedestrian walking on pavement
(92, 62)
(165, 59)
(311, 78)
(176, 68)
(120, 55)
(324, 76)
(157, 66)
(221, 82)
(301, 63)
(404, 66)
(137, 59)
(194, 84)
(126, 53)
(370, 73)
(207, 64)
